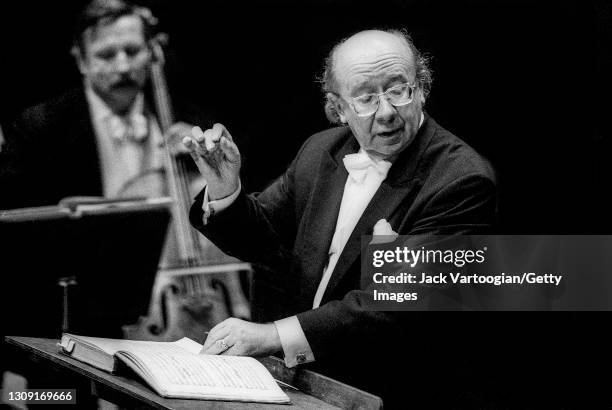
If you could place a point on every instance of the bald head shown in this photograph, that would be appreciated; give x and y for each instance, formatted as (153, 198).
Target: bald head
(367, 54)
(367, 46)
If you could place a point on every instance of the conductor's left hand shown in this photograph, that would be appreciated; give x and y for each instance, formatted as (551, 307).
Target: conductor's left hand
(243, 338)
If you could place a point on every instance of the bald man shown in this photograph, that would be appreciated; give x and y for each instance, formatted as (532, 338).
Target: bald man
(388, 160)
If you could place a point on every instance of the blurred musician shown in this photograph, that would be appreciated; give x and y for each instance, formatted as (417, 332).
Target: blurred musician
(95, 140)
(105, 139)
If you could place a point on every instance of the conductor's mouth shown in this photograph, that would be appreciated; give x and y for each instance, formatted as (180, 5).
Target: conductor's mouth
(391, 133)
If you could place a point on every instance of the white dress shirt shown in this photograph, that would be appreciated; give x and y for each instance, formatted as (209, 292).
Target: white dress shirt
(365, 176)
(124, 157)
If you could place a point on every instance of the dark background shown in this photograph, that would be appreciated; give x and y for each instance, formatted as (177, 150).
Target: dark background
(525, 83)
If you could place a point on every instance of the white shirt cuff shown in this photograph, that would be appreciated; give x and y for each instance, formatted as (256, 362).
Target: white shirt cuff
(293, 340)
(212, 207)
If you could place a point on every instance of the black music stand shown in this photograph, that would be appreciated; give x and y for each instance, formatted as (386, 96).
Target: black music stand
(105, 254)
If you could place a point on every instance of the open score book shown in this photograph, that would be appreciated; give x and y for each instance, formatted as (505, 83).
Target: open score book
(176, 369)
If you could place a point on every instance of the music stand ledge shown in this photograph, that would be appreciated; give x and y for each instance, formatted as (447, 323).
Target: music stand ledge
(315, 391)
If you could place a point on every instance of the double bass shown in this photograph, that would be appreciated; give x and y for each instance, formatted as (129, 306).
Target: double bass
(197, 285)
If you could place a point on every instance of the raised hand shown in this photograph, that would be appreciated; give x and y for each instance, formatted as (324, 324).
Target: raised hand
(217, 158)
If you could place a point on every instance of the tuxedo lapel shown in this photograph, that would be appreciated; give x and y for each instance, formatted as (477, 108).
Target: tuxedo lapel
(400, 186)
(382, 206)
(78, 119)
(320, 218)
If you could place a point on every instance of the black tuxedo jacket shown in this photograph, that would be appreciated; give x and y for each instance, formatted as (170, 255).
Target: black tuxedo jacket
(437, 185)
(51, 152)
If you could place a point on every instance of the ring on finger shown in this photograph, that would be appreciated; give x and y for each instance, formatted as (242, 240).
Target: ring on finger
(222, 345)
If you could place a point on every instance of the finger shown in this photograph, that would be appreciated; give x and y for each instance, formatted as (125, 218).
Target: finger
(193, 148)
(194, 151)
(215, 133)
(230, 341)
(203, 167)
(194, 145)
(214, 334)
(217, 347)
(190, 144)
(197, 134)
(220, 128)
(229, 149)
(174, 141)
(214, 348)
(211, 137)
(217, 332)
(235, 350)
(220, 325)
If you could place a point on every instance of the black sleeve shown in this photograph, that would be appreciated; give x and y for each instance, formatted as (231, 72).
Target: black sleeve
(257, 228)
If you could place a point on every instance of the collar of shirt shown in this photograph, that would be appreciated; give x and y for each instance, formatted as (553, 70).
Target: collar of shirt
(359, 164)
(130, 127)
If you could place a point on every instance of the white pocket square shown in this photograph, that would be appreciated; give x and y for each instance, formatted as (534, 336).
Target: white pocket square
(383, 233)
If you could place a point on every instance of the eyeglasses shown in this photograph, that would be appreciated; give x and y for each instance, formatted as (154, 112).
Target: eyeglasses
(367, 104)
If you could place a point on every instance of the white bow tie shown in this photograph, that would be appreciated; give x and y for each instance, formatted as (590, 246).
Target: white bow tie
(132, 128)
(358, 164)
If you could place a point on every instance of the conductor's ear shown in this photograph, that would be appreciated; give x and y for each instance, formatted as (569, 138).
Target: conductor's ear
(335, 108)
(420, 94)
(78, 58)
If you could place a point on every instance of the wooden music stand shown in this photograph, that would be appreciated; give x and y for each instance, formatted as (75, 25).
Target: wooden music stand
(310, 390)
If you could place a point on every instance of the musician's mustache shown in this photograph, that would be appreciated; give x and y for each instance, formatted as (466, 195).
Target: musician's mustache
(125, 83)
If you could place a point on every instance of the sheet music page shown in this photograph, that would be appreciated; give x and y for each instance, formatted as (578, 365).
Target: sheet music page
(192, 375)
(111, 346)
